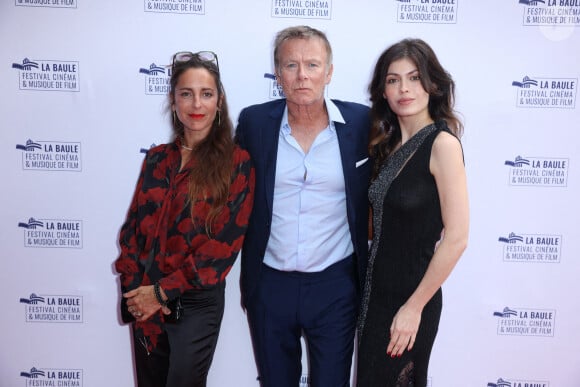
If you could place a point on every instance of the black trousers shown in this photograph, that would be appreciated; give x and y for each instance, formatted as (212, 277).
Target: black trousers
(185, 351)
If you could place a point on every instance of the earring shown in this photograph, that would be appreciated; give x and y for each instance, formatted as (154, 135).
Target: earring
(219, 117)
(174, 118)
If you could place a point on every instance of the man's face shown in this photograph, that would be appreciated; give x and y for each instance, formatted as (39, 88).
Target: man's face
(303, 70)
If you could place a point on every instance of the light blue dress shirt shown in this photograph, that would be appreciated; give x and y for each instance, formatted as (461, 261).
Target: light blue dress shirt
(309, 222)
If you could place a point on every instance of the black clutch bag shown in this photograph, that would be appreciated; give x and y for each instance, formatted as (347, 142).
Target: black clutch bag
(126, 316)
(176, 311)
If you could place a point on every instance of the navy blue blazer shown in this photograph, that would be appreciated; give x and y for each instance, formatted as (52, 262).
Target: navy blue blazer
(258, 132)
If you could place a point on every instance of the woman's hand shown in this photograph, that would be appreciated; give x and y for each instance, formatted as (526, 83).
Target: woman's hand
(403, 330)
(142, 304)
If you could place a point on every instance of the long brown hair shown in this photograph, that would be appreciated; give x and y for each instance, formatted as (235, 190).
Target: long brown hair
(385, 132)
(211, 177)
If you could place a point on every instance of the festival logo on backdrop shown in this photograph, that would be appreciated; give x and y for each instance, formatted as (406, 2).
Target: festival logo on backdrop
(427, 11)
(53, 377)
(534, 92)
(551, 12)
(502, 382)
(47, 3)
(156, 79)
(48, 75)
(53, 308)
(526, 322)
(53, 233)
(531, 248)
(173, 6)
(302, 9)
(275, 90)
(538, 171)
(51, 155)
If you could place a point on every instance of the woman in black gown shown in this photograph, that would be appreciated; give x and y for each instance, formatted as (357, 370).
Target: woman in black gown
(419, 201)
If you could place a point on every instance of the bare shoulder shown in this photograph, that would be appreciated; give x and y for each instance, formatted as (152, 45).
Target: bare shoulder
(446, 144)
(446, 152)
(446, 140)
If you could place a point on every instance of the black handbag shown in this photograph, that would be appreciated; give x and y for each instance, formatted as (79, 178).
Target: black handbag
(126, 316)
(176, 311)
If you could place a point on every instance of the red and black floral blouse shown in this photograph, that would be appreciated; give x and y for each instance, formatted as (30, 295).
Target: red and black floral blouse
(160, 242)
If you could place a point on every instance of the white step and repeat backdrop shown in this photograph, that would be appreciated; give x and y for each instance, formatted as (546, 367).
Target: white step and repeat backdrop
(84, 96)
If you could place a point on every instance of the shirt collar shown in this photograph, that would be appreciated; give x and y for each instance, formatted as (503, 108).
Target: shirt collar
(334, 115)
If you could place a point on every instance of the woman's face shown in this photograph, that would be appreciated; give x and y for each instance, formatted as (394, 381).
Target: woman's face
(196, 103)
(403, 90)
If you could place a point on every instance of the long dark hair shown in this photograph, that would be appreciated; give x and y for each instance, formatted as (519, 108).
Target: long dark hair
(214, 154)
(385, 131)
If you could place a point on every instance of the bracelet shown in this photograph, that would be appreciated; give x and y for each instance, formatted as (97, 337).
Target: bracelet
(157, 291)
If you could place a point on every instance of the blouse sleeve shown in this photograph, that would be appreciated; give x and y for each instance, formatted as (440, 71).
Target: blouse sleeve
(213, 258)
(126, 263)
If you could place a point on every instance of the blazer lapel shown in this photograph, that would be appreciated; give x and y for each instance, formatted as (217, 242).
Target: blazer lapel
(346, 144)
(270, 138)
(347, 152)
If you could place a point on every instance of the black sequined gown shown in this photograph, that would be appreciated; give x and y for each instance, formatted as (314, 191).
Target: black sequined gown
(407, 223)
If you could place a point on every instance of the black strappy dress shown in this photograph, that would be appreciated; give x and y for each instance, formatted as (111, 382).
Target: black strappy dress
(407, 224)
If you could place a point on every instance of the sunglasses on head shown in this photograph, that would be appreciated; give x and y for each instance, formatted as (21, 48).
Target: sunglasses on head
(204, 56)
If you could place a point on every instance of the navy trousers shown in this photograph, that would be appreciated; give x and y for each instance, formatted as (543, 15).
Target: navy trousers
(321, 307)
